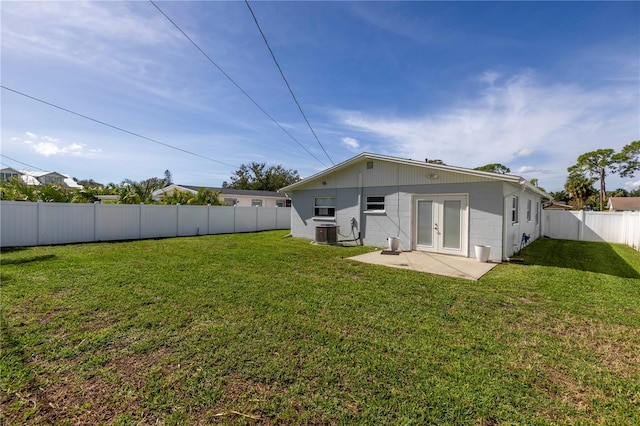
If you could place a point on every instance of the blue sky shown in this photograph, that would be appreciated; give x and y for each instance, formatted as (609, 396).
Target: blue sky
(529, 85)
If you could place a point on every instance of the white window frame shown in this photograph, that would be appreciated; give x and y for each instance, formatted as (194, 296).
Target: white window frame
(373, 206)
(528, 210)
(230, 201)
(256, 203)
(515, 213)
(324, 211)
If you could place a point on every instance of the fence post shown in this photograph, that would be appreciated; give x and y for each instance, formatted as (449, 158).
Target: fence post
(581, 225)
(208, 217)
(95, 221)
(39, 219)
(178, 220)
(140, 222)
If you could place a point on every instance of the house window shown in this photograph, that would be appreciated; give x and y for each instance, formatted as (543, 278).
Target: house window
(256, 203)
(514, 209)
(324, 206)
(375, 203)
(279, 203)
(51, 179)
(230, 201)
(528, 210)
(7, 176)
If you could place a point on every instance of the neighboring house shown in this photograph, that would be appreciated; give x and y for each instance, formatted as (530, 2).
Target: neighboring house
(618, 204)
(35, 178)
(557, 205)
(429, 207)
(232, 197)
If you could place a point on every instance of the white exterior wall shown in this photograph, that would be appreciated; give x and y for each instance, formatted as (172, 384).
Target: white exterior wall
(485, 208)
(514, 231)
(489, 208)
(29, 224)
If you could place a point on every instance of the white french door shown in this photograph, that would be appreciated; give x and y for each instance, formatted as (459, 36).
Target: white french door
(441, 224)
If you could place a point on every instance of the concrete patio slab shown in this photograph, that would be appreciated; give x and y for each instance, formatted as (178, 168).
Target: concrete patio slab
(438, 264)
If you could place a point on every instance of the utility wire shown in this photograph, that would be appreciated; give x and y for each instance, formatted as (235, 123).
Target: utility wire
(286, 82)
(234, 83)
(24, 164)
(116, 127)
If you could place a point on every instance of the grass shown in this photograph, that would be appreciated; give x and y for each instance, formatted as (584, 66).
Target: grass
(257, 329)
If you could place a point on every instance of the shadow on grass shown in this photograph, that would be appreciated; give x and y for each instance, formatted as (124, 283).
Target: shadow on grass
(28, 259)
(595, 257)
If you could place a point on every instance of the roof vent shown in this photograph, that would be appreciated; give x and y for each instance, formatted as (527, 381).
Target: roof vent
(369, 164)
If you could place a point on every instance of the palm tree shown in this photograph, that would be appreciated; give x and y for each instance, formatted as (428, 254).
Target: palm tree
(580, 187)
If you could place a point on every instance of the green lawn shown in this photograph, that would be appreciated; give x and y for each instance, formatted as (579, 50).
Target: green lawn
(258, 329)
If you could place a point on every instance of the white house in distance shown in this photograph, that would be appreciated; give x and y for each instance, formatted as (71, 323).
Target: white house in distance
(232, 197)
(36, 178)
(429, 207)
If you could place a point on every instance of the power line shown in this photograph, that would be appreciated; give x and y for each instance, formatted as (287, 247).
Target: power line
(116, 127)
(24, 164)
(234, 83)
(286, 82)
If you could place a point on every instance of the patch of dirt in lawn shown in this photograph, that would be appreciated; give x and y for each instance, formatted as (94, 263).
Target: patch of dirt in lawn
(96, 399)
(616, 346)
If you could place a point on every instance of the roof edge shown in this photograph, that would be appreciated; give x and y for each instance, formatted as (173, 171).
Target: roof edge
(367, 155)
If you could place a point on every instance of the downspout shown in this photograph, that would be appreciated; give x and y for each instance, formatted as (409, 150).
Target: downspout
(360, 209)
(504, 217)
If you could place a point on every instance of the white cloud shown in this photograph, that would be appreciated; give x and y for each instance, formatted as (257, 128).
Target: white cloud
(489, 77)
(49, 146)
(525, 169)
(556, 123)
(632, 184)
(351, 143)
(523, 152)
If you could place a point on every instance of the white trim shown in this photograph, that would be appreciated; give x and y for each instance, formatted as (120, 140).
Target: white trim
(439, 200)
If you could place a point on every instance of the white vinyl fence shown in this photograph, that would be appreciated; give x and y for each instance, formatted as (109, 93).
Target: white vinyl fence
(24, 224)
(612, 227)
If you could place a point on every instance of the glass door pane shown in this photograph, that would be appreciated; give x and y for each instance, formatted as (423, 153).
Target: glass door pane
(425, 223)
(451, 219)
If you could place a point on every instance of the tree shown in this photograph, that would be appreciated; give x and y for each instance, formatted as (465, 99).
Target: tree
(168, 179)
(132, 192)
(203, 197)
(494, 168)
(257, 176)
(601, 162)
(597, 164)
(560, 196)
(580, 187)
(629, 159)
(89, 183)
(620, 192)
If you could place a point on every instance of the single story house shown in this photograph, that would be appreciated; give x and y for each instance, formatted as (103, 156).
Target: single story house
(430, 207)
(618, 204)
(232, 197)
(557, 205)
(37, 178)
